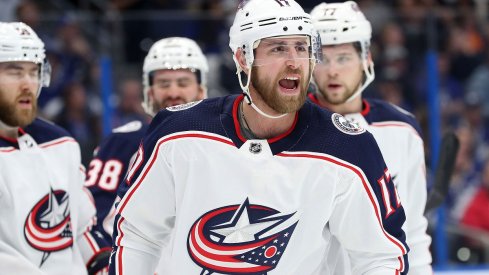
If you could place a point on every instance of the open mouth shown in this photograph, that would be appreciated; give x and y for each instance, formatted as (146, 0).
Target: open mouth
(25, 102)
(334, 86)
(290, 83)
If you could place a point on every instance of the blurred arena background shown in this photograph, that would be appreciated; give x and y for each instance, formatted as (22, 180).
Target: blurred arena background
(431, 58)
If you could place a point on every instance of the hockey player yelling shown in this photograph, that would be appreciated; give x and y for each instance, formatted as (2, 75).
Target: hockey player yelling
(259, 183)
(281, 72)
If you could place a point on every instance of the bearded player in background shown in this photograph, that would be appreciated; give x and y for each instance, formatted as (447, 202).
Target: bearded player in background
(47, 216)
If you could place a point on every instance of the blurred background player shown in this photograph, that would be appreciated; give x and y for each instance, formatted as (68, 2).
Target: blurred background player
(233, 185)
(346, 70)
(174, 72)
(47, 216)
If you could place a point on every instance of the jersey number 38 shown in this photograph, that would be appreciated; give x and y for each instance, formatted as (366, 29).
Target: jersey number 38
(104, 174)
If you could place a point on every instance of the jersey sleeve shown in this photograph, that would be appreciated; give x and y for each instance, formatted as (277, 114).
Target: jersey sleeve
(146, 214)
(367, 199)
(414, 194)
(94, 249)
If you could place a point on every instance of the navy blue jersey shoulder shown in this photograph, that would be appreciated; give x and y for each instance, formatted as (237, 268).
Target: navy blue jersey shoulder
(323, 136)
(121, 145)
(204, 116)
(44, 131)
(383, 111)
(359, 149)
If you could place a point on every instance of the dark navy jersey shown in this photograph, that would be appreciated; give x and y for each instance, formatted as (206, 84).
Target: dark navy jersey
(226, 205)
(109, 166)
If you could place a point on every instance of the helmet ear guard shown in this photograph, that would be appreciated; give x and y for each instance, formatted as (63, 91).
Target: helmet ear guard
(19, 43)
(45, 73)
(173, 53)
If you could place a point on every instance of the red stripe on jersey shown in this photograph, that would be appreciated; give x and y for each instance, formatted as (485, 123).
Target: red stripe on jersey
(238, 128)
(128, 196)
(57, 142)
(235, 118)
(396, 124)
(91, 242)
(120, 249)
(364, 182)
(7, 150)
(119, 261)
(314, 99)
(365, 108)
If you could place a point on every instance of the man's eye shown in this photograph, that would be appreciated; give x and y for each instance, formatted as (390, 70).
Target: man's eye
(163, 85)
(183, 83)
(301, 49)
(343, 59)
(279, 49)
(14, 72)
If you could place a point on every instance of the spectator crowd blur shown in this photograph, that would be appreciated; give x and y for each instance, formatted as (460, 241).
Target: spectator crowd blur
(79, 33)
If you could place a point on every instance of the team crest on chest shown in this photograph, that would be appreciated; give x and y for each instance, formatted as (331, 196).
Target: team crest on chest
(48, 225)
(182, 107)
(240, 239)
(346, 126)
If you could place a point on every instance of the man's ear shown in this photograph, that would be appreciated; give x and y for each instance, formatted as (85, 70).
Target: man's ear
(202, 93)
(369, 58)
(240, 57)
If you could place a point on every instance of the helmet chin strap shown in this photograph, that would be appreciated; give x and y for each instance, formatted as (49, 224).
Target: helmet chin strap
(247, 95)
(370, 73)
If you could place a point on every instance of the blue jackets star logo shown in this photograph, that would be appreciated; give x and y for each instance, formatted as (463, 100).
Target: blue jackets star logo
(240, 239)
(48, 225)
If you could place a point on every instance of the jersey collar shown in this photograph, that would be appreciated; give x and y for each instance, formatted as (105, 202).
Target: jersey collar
(277, 144)
(365, 105)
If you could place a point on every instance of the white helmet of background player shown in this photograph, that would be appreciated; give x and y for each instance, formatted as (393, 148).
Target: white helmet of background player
(340, 23)
(18, 42)
(173, 53)
(258, 19)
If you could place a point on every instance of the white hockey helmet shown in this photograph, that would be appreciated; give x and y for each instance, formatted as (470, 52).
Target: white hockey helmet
(340, 23)
(18, 42)
(258, 19)
(173, 53)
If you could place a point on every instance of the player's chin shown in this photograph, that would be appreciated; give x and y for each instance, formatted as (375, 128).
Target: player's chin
(290, 104)
(24, 118)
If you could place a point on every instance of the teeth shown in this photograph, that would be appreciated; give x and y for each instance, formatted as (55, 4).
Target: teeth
(291, 78)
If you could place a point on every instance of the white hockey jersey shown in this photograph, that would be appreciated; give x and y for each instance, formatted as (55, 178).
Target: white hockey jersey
(399, 137)
(226, 205)
(45, 211)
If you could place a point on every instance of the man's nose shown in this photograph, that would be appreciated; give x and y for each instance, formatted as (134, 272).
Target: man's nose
(293, 59)
(174, 90)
